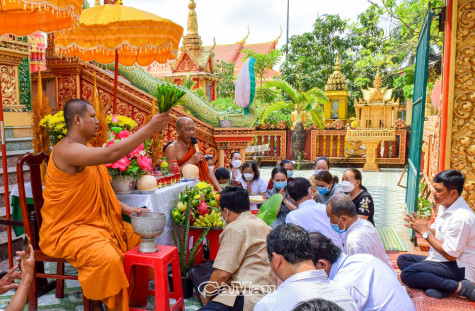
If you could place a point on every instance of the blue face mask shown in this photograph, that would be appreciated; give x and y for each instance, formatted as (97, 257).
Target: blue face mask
(336, 228)
(323, 190)
(290, 174)
(317, 171)
(280, 184)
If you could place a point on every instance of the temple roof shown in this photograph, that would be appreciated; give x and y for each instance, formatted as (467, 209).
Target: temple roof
(337, 81)
(377, 93)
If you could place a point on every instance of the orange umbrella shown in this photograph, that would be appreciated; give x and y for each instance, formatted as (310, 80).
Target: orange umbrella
(24, 17)
(113, 32)
(21, 18)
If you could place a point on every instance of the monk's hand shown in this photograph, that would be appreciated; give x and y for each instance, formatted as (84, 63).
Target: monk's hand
(6, 282)
(197, 157)
(128, 210)
(420, 225)
(160, 121)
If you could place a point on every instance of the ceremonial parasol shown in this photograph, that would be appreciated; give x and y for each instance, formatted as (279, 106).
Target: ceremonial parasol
(23, 17)
(121, 34)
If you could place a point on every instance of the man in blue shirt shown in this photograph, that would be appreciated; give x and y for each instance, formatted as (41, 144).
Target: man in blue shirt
(369, 281)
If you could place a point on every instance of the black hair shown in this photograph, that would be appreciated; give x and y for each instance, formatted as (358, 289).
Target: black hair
(451, 179)
(358, 176)
(278, 169)
(324, 159)
(326, 177)
(342, 205)
(318, 304)
(235, 199)
(232, 155)
(283, 162)
(323, 248)
(72, 108)
(208, 157)
(253, 165)
(222, 173)
(298, 188)
(290, 241)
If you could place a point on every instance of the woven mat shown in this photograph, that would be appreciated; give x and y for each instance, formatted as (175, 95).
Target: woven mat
(391, 239)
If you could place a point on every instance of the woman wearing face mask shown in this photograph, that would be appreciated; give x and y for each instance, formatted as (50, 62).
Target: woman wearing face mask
(222, 176)
(289, 168)
(251, 181)
(326, 187)
(351, 184)
(236, 162)
(279, 179)
(321, 164)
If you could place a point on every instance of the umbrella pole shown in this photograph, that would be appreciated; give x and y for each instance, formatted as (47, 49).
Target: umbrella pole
(116, 77)
(5, 184)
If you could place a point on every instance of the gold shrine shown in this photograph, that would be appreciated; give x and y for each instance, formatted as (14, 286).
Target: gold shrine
(337, 92)
(376, 114)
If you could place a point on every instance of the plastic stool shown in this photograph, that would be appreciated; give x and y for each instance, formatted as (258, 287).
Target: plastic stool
(159, 261)
(212, 239)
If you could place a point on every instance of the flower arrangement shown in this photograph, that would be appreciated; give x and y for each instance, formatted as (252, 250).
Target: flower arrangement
(120, 121)
(201, 202)
(136, 163)
(55, 126)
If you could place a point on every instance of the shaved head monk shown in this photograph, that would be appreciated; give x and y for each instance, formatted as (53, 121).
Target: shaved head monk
(82, 217)
(183, 151)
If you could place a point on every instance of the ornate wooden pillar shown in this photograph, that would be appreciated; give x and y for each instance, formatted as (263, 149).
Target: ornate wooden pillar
(460, 150)
(232, 139)
(67, 75)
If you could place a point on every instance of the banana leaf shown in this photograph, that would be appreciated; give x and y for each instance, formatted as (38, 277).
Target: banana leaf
(270, 208)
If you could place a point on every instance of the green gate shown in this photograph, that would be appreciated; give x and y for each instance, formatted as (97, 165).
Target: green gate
(417, 124)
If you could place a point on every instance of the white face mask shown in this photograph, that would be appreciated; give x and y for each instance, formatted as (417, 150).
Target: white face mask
(225, 219)
(224, 185)
(347, 186)
(248, 176)
(236, 163)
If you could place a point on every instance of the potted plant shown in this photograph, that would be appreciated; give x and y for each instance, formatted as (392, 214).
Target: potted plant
(127, 170)
(55, 127)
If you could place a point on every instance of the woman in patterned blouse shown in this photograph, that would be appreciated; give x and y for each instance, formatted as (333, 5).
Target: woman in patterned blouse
(351, 184)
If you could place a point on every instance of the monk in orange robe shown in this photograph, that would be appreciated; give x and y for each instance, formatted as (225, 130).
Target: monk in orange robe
(183, 151)
(82, 217)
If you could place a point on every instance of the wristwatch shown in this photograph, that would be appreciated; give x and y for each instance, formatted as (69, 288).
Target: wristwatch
(425, 235)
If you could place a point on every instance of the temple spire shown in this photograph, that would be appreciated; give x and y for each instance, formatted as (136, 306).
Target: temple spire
(378, 81)
(337, 64)
(192, 19)
(336, 81)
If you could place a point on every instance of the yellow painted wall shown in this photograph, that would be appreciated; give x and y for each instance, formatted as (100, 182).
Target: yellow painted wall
(17, 118)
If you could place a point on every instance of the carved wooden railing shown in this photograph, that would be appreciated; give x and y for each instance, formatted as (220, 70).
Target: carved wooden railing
(277, 141)
(430, 147)
(327, 143)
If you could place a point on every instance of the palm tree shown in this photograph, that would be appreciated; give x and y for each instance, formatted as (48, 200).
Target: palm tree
(309, 103)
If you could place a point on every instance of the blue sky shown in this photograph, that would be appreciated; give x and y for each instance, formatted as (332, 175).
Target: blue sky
(228, 20)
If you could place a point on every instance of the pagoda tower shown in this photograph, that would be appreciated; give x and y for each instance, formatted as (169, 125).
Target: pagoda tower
(195, 60)
(337, 92)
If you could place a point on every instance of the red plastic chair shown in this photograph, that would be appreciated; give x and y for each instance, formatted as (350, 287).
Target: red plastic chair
(32, 223)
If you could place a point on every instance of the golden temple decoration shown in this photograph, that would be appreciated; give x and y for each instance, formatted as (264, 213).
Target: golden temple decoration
(192, 19)
(243, 41)
(337, 92)
(461, 129)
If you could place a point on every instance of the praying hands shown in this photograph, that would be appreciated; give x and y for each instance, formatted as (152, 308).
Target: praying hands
(420, 225)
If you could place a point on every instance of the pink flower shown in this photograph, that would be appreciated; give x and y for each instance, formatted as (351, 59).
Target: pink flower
(136, 152)
(110, 143)
(114, 119)
(121, 164)
(145, 163)
(123, 134)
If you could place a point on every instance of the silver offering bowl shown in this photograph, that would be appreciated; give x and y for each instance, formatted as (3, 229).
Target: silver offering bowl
(148, 226)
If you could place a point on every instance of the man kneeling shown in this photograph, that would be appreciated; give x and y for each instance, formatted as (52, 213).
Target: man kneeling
(450, 266)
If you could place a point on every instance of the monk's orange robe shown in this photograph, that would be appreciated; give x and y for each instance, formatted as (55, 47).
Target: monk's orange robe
(203, 165)
(82, 223)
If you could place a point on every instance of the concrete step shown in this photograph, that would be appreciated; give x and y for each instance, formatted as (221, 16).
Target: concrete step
(18, 143)
(13, 156)
(12, 175)
(18, 131)
(2, 192)
(16, 245)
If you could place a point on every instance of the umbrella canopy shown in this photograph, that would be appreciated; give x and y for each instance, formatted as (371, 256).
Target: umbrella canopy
(138, 36)
(24, 17)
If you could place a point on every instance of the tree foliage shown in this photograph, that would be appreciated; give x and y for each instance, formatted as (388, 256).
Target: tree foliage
(363, 46)
(225, 87)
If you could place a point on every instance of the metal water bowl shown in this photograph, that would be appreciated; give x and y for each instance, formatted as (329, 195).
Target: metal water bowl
(148, 226)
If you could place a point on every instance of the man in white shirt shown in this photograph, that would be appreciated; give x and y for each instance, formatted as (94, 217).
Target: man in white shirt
(369, 281)
(290, 258)
(309, 214)
(361, 237)
(450, 266)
